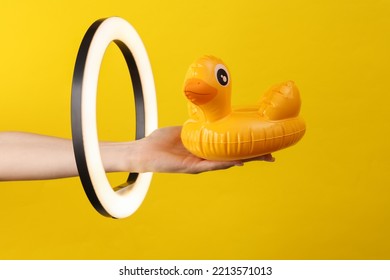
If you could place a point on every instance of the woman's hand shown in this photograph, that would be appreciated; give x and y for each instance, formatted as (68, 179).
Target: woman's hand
(163, 151)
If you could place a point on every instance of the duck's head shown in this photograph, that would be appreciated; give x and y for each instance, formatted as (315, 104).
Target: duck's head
(208, 85)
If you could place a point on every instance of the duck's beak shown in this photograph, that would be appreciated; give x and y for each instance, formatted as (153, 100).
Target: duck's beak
(198, 91)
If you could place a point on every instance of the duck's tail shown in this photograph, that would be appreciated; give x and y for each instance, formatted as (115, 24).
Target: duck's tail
(281, 101)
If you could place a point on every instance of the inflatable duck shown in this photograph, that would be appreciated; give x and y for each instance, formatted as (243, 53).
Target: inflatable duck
(216, 131)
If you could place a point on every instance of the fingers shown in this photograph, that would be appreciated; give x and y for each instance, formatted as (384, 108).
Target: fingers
(206, 165)
(267, 158)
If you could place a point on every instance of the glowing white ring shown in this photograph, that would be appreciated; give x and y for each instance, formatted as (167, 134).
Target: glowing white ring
(108, 202)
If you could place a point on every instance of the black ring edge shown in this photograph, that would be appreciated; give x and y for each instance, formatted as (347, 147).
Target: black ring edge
(76, 120)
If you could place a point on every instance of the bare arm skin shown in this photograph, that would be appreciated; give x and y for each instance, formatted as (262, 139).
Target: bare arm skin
(27, 156)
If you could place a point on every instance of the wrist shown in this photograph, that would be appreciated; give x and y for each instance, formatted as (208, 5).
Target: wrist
(122, 156)
(112, 154)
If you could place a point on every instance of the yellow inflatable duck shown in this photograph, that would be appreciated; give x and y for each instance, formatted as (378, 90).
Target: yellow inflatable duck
(215, 131)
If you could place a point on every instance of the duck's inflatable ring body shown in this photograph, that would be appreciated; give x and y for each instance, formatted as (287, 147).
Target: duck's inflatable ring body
(215, 131)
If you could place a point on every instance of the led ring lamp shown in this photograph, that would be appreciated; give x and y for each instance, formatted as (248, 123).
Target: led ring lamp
(121, 201)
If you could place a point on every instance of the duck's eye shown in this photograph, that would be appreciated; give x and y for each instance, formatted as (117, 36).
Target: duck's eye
(222, 75)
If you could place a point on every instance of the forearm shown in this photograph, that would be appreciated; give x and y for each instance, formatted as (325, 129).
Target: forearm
(27, 156)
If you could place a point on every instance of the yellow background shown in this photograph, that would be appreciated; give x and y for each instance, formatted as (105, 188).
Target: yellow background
(328, 197)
